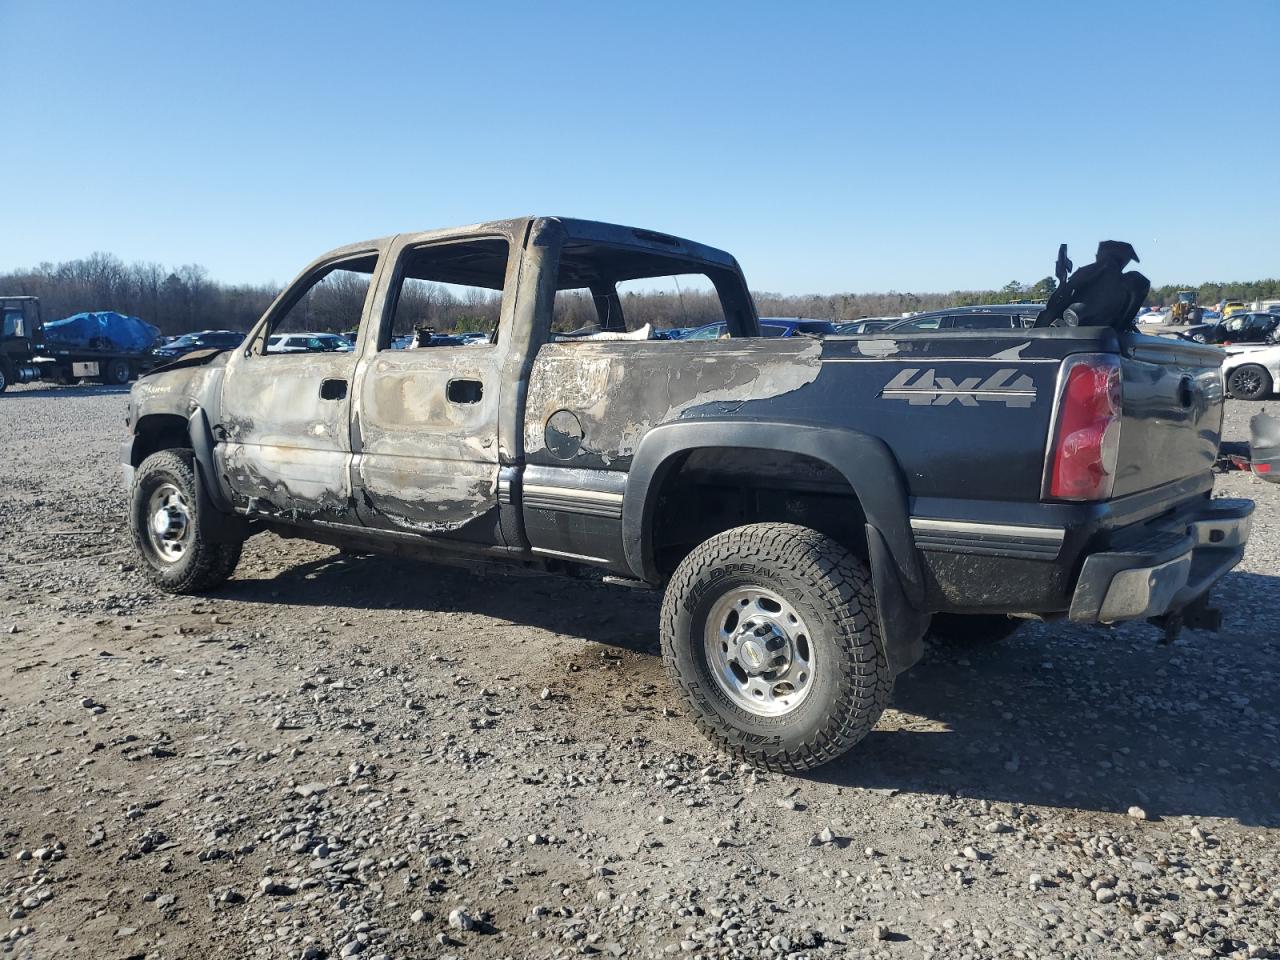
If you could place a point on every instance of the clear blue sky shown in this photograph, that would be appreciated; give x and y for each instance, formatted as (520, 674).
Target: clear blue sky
(831, 147)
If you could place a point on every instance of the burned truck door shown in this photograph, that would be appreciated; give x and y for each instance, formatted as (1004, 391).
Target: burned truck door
(286, 443)
(427, 396)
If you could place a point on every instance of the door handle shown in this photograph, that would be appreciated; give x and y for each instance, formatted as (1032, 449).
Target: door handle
(464, 391)
(333, 389)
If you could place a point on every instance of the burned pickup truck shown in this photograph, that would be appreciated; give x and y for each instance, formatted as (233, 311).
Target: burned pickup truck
(807, 505)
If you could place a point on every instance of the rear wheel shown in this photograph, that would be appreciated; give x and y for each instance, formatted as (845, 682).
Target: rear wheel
(1249, 381)
(972, 628)
(116, 372)
(4, 375)
(771, 634)
(165, 523)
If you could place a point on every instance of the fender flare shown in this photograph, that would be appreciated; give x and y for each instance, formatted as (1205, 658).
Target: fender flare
(868, 465)
(220, 523)
(201, 435)
(866, 462)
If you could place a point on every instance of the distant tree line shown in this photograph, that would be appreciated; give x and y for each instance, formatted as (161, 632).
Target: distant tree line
(181, 299)
(175, 299)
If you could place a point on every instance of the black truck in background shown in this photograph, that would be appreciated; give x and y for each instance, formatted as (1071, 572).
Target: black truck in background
(807, 506)
(26, 357)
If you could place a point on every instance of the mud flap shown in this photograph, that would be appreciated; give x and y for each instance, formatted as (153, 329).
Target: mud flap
(902, 626)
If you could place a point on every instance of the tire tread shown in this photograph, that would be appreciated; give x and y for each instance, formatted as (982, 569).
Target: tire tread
(864, 685)
(212, 564)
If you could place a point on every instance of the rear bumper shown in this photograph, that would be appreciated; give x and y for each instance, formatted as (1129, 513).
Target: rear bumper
(1170, 567)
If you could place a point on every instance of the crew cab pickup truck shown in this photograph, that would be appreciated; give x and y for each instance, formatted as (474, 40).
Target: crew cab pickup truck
(806, 504)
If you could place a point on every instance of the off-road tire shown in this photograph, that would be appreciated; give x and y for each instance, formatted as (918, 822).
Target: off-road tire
(831, 589)
(982, 628)
(1249, 381)
(4, 375)
(116, 372)
(204, 565)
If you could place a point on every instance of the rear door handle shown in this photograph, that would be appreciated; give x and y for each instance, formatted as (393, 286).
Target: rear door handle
(464, 391)
(333, 389)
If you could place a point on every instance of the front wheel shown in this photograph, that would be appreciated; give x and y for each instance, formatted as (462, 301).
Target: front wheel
(1249, 381)
(164, 520)
(772, 636)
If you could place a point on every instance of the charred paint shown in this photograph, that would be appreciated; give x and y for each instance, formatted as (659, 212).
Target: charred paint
(619, 391)
(425, 461)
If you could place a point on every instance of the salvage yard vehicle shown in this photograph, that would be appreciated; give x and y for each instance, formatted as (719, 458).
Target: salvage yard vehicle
(308, 343)
(1240, 327)
(769, 327)
(201, 340)
(28, 355)
(866, 325)
(1251, 373)
(998, 316)
(806, 504)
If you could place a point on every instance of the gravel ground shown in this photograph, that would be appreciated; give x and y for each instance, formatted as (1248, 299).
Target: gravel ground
(336, 757)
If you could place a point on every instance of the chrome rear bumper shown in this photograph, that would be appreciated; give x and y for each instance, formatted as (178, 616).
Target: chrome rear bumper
(1166, 571)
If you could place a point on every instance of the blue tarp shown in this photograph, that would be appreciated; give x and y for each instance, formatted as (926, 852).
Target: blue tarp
(107, 330)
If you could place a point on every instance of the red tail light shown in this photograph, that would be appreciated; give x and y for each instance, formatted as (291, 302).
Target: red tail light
(1086, 440)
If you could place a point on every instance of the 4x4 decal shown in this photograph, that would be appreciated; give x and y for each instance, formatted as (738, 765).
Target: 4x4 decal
(926, 388)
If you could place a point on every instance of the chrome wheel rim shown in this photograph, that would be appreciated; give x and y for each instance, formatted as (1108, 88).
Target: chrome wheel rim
(759, 650)
(169, 526)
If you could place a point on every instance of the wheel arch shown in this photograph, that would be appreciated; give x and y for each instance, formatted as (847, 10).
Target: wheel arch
(158, 431)
(864, 462)
(166, 429)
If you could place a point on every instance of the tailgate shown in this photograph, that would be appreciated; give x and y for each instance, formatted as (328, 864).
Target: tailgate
(1173, 406)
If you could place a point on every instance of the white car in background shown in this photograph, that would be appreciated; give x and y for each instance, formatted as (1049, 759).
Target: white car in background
(1251, 372)
(308, 343)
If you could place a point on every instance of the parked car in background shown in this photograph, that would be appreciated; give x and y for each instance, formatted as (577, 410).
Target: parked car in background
(790, 326)
(1237, 328)
(769, 327)
(998, 316)
(202, 340)
(1251, 373)
(308, 343)
(865, 325)
(1233, 307)
(671, 333)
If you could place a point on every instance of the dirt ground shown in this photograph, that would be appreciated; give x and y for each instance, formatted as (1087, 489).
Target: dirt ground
(335, 756)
